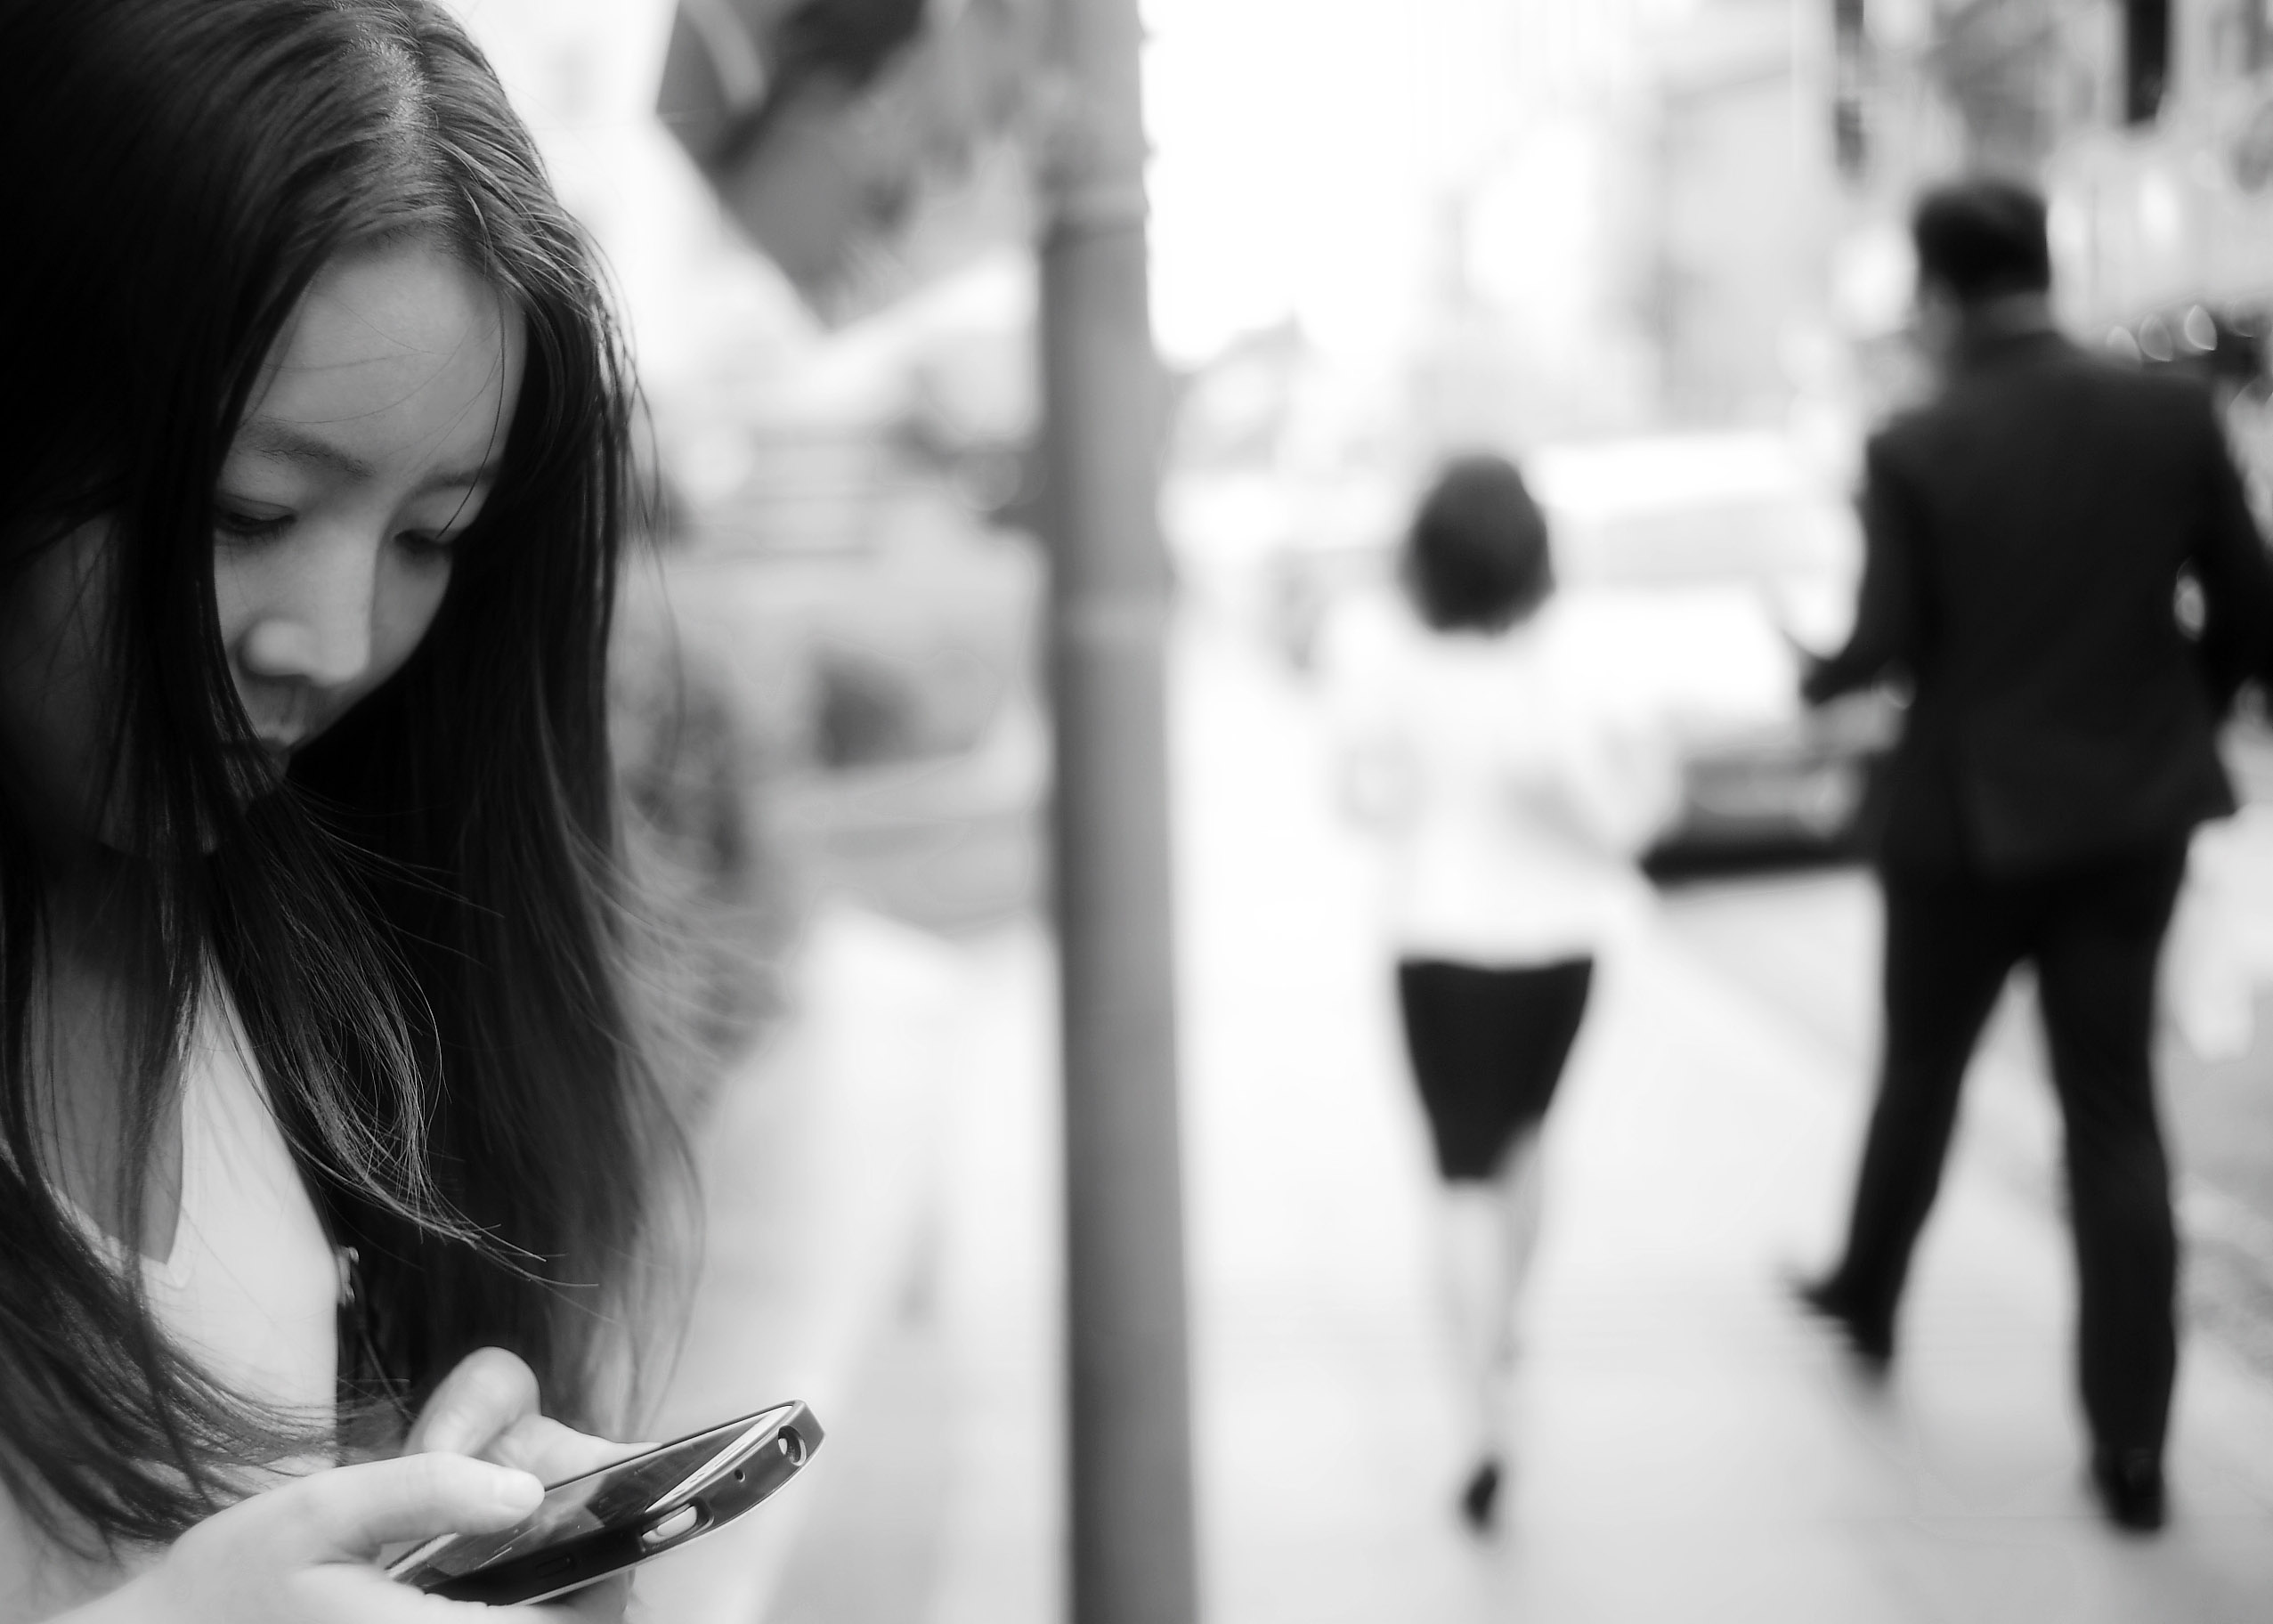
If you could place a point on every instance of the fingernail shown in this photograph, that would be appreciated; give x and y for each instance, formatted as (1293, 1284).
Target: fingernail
(516, 1492)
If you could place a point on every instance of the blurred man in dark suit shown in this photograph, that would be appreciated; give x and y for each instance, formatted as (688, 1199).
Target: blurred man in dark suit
(2031, 536)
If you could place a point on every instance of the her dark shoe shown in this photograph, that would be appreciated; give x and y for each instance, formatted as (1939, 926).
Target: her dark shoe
(1870, 1342)
(2130, 1485)
(1478, 1499)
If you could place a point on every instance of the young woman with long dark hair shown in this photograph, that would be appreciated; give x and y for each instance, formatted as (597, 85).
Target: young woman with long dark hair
(330, 1151)
(1513, 800)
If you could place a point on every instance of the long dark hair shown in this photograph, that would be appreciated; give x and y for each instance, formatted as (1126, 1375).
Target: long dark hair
(423, 928)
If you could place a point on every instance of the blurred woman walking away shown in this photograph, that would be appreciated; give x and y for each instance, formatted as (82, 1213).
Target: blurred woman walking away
(1513, 801)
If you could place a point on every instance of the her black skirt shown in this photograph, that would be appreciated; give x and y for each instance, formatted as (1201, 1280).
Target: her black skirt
(1488, 1048)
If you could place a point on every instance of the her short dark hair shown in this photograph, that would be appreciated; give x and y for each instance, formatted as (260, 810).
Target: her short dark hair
(424, 930)
(1982, 239)
(1476, 557)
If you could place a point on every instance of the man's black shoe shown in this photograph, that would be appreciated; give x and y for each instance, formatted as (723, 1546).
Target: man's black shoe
(1870, 1343)
(2130, 1484)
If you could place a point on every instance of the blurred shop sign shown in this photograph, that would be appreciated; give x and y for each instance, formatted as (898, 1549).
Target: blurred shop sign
(866, 146)
(2251, 154)
(1850, 89)
(2178, 215)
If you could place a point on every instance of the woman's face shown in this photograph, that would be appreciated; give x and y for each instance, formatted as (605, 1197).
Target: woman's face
(369, 449)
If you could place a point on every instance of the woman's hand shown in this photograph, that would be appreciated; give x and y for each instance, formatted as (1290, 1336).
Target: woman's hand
(487, 1407)
(304, 1553)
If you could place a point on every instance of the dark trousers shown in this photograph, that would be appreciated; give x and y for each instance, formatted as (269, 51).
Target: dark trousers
(2094, 935)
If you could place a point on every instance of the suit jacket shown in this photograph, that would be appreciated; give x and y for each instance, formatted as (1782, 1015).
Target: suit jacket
(2025, 536)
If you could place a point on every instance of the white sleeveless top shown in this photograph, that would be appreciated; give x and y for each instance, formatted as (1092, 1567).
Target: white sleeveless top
(250, 1290)
(1512, 792)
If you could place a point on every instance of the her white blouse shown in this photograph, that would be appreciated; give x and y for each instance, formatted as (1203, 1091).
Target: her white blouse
(252, 1287)
(1511, 793)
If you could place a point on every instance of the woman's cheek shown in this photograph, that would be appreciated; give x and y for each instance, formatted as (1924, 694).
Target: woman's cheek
(408, 607)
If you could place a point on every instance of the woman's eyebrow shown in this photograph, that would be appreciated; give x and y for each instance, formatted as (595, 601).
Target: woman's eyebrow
(271, 438)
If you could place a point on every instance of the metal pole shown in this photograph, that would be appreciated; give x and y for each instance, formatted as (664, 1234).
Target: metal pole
(1128, 1410)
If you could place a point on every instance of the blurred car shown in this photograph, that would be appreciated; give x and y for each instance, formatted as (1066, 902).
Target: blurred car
(1700, 566)
(1707, 563)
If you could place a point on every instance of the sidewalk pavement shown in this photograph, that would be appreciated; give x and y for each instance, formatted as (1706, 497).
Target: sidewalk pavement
(1687, 1448)
(819, 1181)
(880, 1242)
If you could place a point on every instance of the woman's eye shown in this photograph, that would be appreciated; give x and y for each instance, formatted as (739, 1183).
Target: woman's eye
(250, 526)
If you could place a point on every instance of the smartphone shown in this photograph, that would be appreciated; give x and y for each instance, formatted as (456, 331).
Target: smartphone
(588, 1527)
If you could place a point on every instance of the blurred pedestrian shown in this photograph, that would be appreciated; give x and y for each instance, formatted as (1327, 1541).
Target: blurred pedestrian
(311, 938)
(1513, 801)
(2028, 533)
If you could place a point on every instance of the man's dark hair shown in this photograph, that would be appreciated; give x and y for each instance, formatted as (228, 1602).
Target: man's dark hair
(1982, 239)
(1476, 557)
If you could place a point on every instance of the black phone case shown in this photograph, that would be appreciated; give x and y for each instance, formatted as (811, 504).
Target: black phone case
(574, 1563)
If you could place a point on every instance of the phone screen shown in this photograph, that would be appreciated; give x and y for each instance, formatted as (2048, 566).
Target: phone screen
(610, 1497)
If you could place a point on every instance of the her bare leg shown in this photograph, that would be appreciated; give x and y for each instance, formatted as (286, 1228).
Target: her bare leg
(1475, 1275)
(1520, 1183)
(1490, 1233)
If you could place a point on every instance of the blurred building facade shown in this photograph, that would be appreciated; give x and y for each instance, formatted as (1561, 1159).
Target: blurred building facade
(2149, 122)
(1746, 208)
(813, 215)
(1518, 222)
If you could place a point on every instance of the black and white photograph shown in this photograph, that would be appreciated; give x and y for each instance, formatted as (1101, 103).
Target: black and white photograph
(1136, 811)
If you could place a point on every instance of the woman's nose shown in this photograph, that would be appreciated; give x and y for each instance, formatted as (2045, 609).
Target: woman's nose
(316, 627)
